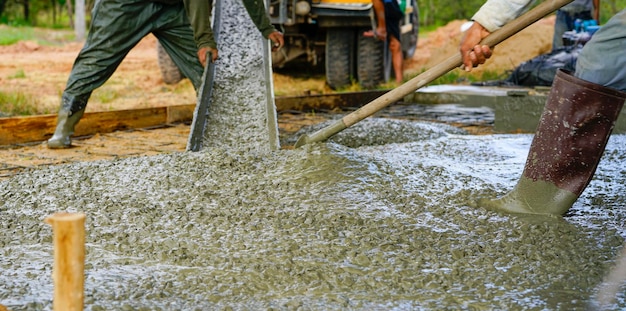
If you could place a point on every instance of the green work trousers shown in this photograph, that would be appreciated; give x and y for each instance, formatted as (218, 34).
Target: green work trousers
(116, 27)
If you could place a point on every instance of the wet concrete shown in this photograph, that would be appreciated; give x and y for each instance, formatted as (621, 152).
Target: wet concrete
(380, 217)
(239, 109)
(514, 109)
(325, 227)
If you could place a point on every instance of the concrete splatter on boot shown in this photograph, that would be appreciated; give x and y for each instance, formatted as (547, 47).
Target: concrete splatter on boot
(571, 136)
(71, 111)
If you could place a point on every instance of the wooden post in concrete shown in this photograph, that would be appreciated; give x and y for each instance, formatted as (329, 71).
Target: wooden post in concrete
(68, 272)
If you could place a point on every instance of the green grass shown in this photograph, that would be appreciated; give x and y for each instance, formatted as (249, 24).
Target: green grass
(44, 36)
(11, 35)
(18, 104)
(105, 94)
(19, 74)
(461, 77)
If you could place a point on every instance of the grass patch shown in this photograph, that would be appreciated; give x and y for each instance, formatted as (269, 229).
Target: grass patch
(44, 36)
(105, 94)
(19, 74)
(462, 77)
(18, 104)
(11, 35)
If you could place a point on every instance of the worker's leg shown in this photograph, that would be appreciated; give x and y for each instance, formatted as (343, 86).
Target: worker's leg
(396, 58)
(566, 149)
(116, 27)
(561, 25)
(176, 37)
(574, 127)
(393, 15)
(603, 59)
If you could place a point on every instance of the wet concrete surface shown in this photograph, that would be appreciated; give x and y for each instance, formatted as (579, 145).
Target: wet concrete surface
(380, 217)
(324, 227)
(174, 137)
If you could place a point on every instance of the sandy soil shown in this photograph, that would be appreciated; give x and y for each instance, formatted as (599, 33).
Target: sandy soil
(444, 42)
(39, 72)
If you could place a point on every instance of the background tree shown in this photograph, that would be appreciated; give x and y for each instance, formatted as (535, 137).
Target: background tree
(2, 5)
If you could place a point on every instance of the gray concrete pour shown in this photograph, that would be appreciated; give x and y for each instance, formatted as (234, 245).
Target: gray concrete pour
(381, 217)
(238, 108)
(324, 227)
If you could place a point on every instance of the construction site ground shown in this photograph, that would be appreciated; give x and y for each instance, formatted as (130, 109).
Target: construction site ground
(38, 70)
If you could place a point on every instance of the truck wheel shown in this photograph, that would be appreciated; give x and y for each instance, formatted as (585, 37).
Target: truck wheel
(339, 59)
(169, 71)
(370, 61)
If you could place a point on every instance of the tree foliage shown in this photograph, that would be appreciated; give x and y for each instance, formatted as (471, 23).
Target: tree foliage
(39, 12)
(440, 12)
(432, 12)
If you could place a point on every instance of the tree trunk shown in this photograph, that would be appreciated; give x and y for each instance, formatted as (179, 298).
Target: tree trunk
(2, 5)
(53, 5)
(79, 27)
(26, 4)
(70, 13)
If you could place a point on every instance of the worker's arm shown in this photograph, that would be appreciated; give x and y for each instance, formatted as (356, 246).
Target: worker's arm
(381, 26)
(199, 14)
(491, 16)
(596, 10)
(260, 18)
(496, 13)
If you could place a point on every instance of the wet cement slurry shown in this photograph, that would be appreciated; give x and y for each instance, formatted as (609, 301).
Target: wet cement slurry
(324, 227)
(237, 116)
(382, 216)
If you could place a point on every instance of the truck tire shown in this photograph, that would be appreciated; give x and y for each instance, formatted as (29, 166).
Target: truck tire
(339, 58)
(370, 61)
(169, 71)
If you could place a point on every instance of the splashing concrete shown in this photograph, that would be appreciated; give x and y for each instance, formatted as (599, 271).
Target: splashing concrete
(238, 111)
(324, 227)
(380, 217)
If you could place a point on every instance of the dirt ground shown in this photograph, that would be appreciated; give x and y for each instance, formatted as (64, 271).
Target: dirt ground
(39, 72)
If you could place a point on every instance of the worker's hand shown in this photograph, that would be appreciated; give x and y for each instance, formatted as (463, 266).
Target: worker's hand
(380, 33)
(277, 40)
(202, 55)
(472, 52)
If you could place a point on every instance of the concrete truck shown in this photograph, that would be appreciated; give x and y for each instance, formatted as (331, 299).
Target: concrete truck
(330, 32)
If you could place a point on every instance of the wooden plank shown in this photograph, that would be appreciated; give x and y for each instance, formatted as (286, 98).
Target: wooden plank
(180, 113)
(26, 129)
(111, 121)
(16, 130)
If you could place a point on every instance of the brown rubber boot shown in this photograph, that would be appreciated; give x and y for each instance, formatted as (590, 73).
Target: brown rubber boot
(571, 136)
(70, 113)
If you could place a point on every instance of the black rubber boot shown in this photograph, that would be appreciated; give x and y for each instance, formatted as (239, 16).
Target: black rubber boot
(72, 109)
(571, 136)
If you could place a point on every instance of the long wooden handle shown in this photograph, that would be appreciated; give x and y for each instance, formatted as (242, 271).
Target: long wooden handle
(431, 74)
(453, 62)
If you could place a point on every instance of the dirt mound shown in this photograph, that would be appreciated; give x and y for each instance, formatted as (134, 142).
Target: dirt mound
(442, 43)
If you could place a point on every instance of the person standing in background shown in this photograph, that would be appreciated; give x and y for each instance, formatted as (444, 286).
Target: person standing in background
(389, 13)
(567, 15)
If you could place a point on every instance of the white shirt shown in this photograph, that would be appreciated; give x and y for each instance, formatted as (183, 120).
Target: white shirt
(496, 13)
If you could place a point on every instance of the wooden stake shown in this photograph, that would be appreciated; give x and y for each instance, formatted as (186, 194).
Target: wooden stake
(68, 273)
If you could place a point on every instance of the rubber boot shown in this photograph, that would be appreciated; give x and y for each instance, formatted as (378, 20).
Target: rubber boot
(571, 136)
(71, 111)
